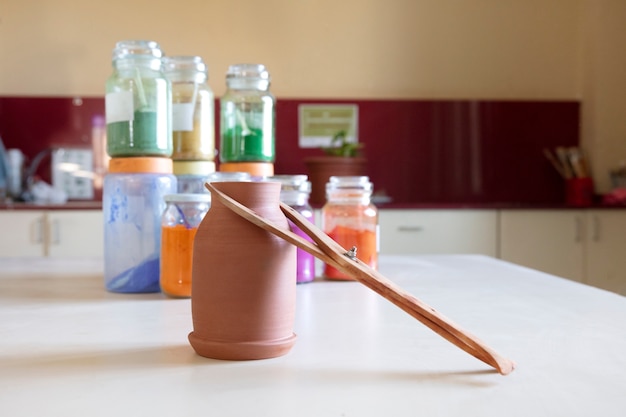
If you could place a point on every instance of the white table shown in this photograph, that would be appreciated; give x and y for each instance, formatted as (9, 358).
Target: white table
(68, 348)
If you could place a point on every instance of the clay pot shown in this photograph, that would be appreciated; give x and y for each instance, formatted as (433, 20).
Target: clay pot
(321, 168)
(243, 290)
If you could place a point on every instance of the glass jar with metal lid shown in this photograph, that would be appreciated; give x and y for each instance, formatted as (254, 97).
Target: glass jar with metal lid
(179, 223)
(295, 191)
(195, 183)
(247, 116)
(193, 125)
(351, 220)
(138, 102)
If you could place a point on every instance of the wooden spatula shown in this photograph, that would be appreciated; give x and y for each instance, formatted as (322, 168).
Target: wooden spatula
(329, 251)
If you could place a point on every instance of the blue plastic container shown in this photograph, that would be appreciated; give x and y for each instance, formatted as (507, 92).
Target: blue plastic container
(133, 201)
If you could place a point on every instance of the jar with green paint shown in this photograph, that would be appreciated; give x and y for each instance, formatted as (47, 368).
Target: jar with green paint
(247, 115)
(138, 102)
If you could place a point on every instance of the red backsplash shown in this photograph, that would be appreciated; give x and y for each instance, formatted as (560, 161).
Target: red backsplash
(418, 151)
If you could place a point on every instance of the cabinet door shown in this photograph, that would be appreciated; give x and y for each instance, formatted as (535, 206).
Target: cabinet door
(75, 233)
(606, 250)
(551, 241)
(22, 233)
(438, 231)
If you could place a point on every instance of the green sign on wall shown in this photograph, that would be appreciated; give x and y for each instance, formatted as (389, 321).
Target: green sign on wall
(318, 123)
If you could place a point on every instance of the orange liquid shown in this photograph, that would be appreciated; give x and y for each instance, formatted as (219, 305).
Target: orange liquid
(176, 260)
(365, 242)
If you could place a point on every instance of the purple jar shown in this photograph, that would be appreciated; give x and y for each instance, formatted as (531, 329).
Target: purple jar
(295, 193)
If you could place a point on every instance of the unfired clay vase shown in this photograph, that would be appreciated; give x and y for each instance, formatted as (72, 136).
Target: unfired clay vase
(243, 279)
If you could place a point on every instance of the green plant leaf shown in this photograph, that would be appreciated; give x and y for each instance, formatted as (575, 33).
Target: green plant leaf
(341, 147)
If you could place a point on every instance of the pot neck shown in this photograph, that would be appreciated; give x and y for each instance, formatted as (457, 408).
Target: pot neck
(257, 195)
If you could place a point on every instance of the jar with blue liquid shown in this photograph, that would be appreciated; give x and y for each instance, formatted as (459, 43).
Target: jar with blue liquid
(133, 201)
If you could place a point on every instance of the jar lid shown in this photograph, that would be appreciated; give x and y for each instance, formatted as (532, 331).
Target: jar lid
(140, 164)
(185, 68)
(194, 167)
(187, 198)
(256, 169)
(136, 48)
(228, 177)
(349, 182)
(248, 76)
(297, 183)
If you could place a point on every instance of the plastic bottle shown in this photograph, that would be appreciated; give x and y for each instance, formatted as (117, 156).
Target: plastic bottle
(138, 102)
(133, 203)
(351, 220)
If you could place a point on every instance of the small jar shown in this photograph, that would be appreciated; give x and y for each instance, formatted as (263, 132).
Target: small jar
(138, 102)
(132, 204)
(228, 177)
(191, 175)
(196, 183)
(247, 116)
(193, 113)
(351, 220)
(295, 193)
(179, 223)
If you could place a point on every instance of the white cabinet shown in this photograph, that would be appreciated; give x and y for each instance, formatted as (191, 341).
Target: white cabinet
(551, 241)
(583, 245)
(75, 233)
(55, 233)
(438, 231)
(22, 233)
(606, 250)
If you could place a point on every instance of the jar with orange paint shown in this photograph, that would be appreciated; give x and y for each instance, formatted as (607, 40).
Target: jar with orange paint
(179, 223)
(350, 219)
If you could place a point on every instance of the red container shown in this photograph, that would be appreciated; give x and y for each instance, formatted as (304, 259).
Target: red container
(579, 192)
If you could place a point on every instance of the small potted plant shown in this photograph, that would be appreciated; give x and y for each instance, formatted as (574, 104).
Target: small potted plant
(342, 157)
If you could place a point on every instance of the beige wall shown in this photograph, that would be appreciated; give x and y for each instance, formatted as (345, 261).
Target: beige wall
(506, 49)
(604, 86)
(313, 48)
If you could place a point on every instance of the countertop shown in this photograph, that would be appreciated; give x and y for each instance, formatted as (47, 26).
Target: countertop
(69, 348)
(70, 205)
(97, 205)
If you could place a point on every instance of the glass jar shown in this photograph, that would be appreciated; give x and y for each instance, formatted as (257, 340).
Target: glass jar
(179, 223)
(195, 183)
(295, 191)
(193, 124)
(138, 102)
(132, 203)
(191, 175)
(247, 116)
(351, 220)
(228, 176)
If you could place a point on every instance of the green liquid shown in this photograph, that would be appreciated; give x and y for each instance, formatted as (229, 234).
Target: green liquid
(237, 147)
(141, 137)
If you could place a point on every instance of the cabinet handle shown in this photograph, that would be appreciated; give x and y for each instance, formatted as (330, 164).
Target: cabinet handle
(596, 229)
(579, 230)
(410, 229)
(55, 233)
(38, 231)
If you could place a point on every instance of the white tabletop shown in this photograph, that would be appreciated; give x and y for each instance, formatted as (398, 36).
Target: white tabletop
(69, 348)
